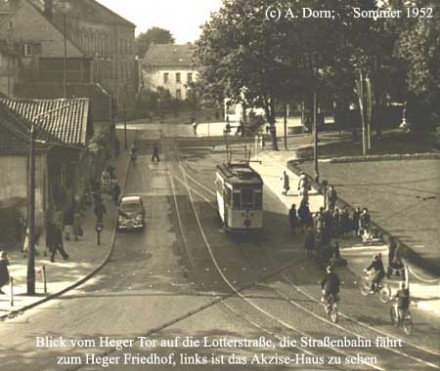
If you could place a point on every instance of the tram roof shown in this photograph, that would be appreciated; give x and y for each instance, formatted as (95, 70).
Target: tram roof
(240, 173)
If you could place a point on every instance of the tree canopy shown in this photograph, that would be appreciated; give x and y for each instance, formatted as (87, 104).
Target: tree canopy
(245, 56)
(154, 35)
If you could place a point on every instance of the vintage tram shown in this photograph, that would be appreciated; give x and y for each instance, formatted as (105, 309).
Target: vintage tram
(239, 191)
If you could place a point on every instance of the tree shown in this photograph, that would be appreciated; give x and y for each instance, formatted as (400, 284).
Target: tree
(154, 35)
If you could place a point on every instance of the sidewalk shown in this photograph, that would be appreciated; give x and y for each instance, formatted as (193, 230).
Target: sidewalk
(425, 292)
(85, 259)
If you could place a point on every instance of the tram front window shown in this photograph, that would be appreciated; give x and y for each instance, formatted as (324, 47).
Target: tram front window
(247, 198)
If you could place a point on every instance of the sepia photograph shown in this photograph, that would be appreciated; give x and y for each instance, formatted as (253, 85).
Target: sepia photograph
(213, 185)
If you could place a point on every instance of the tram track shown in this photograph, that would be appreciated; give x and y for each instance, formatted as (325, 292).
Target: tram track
(417, 351)
(297, 331)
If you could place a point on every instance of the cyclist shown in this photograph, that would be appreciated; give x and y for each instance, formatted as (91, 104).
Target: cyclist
(403, 299)
(330, 285)
(379, 272)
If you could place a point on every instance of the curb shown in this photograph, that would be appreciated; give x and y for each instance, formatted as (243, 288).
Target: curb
(57, 294)
(367, 158)
(409, 255)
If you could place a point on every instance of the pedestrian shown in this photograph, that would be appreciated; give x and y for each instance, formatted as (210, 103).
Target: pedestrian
(309, 241)
(155, 156)
(194, 125)
(68, 222)
(57, 243)
(4, 271)
(304, 215)
(116, 192)
(345, 223)
(355, 221)
(303, 182)
(391, 251)
(77, 225)
(364, 222)
(293, 217)
(286, 182)
(336, 230)
(267, 129)
(99, 211)
(331, 198)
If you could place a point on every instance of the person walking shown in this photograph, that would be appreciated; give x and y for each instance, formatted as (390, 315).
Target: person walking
(286, 182)
(331, 198)
(77, 225)
(309, 241)
(293, 217)
(116, 192)
(68, 222)
(345, 222)
(364, 222)
(57, 243)
(355, 221)
(155, 156)
(4, 271)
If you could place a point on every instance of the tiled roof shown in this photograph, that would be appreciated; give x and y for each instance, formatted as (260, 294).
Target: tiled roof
(64, 119)
(84, 9)
(15, 130)
(169, 55)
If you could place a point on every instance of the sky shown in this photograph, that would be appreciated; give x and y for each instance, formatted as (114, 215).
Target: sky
(182, 18)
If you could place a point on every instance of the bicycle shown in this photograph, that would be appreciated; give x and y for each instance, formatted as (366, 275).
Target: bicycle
(382, 288)
(330, 303)
(406, 322)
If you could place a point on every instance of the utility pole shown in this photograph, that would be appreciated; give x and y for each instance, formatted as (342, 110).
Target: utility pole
(65, 58)
(31, 216)
(315, 136)
(125, 120)
(362, 111)
(285, 125)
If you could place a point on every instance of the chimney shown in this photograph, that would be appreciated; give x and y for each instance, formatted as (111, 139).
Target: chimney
(48, 8)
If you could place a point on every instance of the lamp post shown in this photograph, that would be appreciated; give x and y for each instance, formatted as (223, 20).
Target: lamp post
(31, 215)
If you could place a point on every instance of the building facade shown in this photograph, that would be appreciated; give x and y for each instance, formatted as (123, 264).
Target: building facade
(72, 48)
(170, 67)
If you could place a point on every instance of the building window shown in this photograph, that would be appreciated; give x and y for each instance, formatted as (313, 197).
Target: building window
(190, 77)
(178, 77)
(178, 94)
(27, 50)
(166, 78)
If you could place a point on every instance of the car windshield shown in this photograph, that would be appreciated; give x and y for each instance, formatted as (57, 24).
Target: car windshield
(130, 207)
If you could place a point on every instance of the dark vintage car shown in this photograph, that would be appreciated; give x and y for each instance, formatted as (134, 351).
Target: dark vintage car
(131, 213)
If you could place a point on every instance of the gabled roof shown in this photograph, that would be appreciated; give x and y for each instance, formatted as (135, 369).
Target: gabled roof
(84, 9)
(67, 120)
(15, 131)
(169, 55)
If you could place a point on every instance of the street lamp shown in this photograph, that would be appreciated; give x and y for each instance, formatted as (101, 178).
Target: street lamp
(31, 215)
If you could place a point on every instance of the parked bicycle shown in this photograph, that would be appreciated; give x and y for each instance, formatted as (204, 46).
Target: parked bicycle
(383, 289)
(331, 307)
(405, 321)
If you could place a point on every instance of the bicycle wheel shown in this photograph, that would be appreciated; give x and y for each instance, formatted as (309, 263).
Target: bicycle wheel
(393, 316)
(407, 323)
(334, 313)
(385, 293)
(364, 285)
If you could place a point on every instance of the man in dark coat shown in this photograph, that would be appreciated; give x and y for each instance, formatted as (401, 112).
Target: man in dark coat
(4, 272)
(293, 217)
(57, 243)
(155, 156)
(116, 192)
